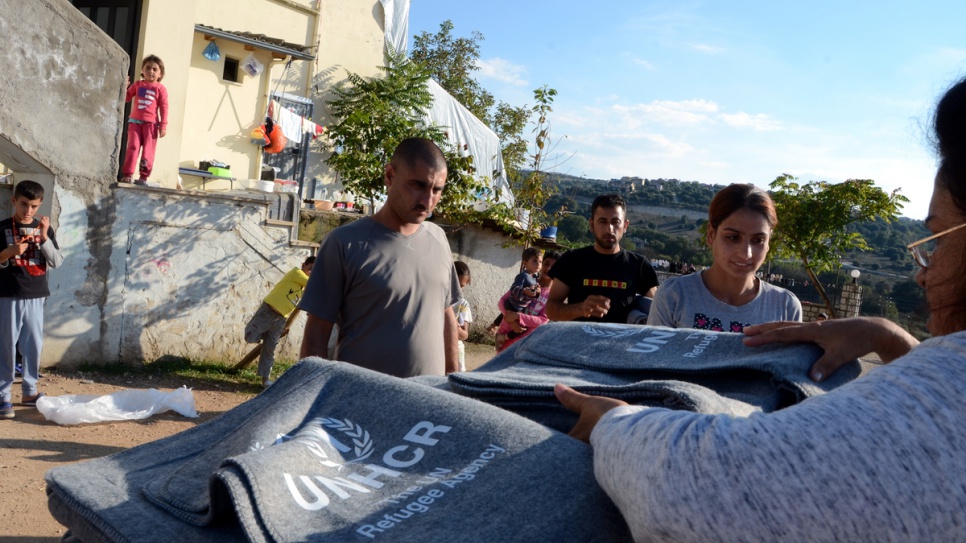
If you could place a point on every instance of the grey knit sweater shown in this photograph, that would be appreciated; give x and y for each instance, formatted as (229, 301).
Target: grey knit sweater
(882, 458)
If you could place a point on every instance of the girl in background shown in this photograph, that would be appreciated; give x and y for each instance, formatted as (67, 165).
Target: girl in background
(728, 296)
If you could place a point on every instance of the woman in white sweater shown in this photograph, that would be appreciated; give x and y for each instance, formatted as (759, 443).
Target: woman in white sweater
(882, 458)
(728, 296)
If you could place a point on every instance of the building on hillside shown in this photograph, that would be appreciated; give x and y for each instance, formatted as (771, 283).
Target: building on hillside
(626, 184)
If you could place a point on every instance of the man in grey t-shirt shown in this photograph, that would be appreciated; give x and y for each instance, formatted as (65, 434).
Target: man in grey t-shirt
(388, 280)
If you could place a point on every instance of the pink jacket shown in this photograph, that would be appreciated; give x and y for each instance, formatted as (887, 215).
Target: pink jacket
(535, 315)
(151, 105)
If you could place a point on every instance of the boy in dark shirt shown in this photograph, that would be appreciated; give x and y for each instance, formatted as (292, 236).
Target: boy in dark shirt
(27, 249)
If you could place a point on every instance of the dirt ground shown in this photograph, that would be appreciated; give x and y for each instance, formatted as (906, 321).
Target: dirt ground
(30, 445)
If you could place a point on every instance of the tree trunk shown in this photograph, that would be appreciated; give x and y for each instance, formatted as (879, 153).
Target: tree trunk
(821, 289)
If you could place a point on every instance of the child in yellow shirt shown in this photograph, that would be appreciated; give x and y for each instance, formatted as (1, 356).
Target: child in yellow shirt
(269, 320)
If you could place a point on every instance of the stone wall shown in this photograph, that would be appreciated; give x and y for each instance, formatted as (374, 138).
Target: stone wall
(189, 270)
(61, 101)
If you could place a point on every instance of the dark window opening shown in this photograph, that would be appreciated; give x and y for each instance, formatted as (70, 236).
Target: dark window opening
(231, 70)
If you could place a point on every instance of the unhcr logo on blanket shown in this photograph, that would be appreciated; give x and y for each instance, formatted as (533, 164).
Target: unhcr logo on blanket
(331, 438)
(321, 430)
(652, 343)
(609, 331)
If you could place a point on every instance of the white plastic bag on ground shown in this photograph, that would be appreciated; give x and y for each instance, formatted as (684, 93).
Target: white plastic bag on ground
(121, 405)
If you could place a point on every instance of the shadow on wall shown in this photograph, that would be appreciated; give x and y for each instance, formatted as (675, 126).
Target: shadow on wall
(185, 275)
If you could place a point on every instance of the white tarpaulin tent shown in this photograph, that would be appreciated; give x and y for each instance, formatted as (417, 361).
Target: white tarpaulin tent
(461, 126)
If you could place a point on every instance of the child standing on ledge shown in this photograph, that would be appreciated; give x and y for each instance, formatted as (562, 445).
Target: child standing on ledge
(148, 121)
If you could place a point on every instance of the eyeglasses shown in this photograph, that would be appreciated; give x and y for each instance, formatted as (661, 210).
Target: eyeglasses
(921, 250)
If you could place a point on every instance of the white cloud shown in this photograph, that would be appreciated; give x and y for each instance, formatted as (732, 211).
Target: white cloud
(647, 65)
(668, 112)
(709, 49)
(758, 122)
(699, 139)
(502, 70)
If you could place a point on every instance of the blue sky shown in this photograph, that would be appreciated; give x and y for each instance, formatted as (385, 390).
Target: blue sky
(723, 92)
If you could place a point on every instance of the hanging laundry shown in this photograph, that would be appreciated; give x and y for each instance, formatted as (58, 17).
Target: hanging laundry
(290, 123)
(313, 129)
(293, 125)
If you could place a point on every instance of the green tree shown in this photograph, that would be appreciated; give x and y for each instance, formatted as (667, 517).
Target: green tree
(532, 191)
(908, 296)
(814, 219)
(452, 62)
(372, 115)
(574, 229)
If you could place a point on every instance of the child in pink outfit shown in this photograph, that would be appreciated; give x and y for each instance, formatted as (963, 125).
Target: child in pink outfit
(148, 121)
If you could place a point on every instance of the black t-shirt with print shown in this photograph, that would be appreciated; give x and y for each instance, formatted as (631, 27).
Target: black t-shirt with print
(24, 276)
(619, 277)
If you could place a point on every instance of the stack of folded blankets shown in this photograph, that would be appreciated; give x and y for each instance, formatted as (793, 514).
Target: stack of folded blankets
(332, 452)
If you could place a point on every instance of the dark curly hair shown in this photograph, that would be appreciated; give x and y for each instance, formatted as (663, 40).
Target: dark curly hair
(949, 126)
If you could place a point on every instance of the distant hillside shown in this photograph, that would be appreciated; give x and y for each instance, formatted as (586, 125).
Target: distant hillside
(663, 208)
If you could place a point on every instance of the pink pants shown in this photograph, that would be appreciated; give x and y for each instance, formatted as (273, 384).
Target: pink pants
(141, 138)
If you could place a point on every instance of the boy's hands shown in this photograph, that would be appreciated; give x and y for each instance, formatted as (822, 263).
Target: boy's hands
(162, 132)
(16, 249)
(44, 226)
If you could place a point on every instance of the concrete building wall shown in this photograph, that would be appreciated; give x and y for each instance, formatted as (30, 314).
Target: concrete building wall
(60, 124)
(167, 30)
(150, 272)
(492, 268)
(351, 39)
(187, 273)
(146, 272)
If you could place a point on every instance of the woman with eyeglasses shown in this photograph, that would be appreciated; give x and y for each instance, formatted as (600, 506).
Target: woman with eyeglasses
(882, 458)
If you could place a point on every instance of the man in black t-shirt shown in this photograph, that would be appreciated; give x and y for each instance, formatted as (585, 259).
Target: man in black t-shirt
(598, 283)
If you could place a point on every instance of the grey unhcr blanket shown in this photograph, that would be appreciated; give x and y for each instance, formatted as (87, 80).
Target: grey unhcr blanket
(677, 368)
(332, 452)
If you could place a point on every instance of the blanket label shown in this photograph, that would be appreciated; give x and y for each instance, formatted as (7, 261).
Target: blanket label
(352, 472)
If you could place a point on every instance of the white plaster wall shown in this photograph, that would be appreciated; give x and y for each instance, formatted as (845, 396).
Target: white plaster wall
(60, 125)
(219, 117)
(351, 39)
(188, 273)
(72, 328)
(167, 30)
(492, 268)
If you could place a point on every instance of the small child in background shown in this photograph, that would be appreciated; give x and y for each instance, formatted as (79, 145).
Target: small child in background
(27, 249)
(462, 309)
(148, 121)
(269, 320)
(523, 292)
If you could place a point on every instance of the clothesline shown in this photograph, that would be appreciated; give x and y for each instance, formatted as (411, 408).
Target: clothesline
(292, 124)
